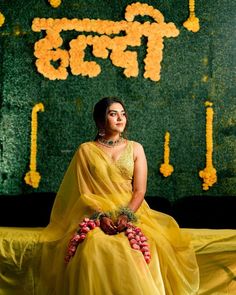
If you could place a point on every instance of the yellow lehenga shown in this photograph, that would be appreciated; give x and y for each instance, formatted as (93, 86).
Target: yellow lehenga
(104, 264)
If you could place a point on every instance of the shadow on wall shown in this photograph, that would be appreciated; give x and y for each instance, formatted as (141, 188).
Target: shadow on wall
(33, 210)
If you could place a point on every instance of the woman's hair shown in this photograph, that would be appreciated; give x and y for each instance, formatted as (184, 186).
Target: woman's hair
(100, 112)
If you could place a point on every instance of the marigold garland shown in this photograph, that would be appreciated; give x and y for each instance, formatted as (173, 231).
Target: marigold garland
(192, 23)
(209, 173)
(2, 19)
(166, 169)
(33, 177)
(55, 3)
(104, 45)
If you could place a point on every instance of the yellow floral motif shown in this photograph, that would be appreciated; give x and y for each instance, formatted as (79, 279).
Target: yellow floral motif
(112, 42)
(2, 19)
(166, 169)
(192, 23)
(209, 173)
(55, 3)
(33, 177)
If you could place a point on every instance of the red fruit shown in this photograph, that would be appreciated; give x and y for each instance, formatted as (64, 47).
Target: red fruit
(75, 238)
(86, 219)
(145, 248)
(147, 253)
(135, 246)
(137, 238)
(71, 253)
(143, 239)
(91, 224)
(145, 244)
(133, 241)
(85, 229)
(82, 224)
(128, 231)
(82, 236)
(147, 259)
(130, 236)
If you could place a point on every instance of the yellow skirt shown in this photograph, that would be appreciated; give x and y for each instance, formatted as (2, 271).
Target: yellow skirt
(105, 264)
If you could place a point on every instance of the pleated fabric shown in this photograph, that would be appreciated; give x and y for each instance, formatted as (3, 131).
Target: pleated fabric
(103, 264)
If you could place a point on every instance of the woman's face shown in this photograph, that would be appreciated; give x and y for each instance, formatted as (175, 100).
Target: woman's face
(116, 118)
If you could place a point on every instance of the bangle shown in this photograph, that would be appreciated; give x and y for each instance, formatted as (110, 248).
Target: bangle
(129, 213)
(99, 215)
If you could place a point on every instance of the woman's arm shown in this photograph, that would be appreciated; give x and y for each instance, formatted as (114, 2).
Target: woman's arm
(139, 184)
(139, 178)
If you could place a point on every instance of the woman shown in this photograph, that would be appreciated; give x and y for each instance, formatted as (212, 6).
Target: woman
(106, 181)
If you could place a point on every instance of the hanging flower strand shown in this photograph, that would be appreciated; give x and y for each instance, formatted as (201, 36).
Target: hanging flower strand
(33, 177)
(209, 173)
(166, 169)
(55, 3)
(2, 19)
(137, 240)
(192, 23)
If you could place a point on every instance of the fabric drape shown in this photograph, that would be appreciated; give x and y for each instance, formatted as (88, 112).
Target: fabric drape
(106, 264)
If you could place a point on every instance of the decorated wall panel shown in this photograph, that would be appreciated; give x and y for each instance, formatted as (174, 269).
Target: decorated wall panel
(165, 74)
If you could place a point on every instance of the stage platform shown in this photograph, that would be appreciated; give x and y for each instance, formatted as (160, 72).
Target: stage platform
(215, 249)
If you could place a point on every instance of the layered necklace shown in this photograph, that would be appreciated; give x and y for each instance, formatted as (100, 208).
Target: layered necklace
(110, 143)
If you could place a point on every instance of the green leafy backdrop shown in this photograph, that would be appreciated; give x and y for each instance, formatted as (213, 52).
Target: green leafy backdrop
(196, 67)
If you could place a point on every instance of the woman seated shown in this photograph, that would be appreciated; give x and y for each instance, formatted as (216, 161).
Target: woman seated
(103, 239)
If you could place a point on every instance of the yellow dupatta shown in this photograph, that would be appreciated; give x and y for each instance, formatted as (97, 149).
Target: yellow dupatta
(94, 182)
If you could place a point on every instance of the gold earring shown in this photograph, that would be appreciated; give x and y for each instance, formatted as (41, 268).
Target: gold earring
(101, 132)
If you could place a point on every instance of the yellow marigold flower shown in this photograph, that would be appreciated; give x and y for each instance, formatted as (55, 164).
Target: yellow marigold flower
(116, 46)
(2, 19)
(192, 23)
(166, 169)
(33, 177)
(209, 173)
(55, 3)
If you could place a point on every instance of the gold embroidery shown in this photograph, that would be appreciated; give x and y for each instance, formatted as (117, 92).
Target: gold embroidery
(126, 162)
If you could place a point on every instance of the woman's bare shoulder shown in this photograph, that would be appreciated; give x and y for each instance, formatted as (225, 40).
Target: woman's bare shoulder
(138, 149)
(137, 145)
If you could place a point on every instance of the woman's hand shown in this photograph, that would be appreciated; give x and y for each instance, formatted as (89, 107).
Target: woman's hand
(122, 221)
(108, 226)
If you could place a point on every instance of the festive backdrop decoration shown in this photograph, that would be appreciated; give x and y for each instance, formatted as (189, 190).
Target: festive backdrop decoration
(33, 177)
(164, 59)
(166, 169)
(192, 23)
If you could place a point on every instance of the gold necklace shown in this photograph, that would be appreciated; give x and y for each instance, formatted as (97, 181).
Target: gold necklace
(110, 143)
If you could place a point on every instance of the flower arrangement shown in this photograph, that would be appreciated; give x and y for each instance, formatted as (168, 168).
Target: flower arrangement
(33, 177)
(55, 3)
(128, 212)
(84, 227)
(192, 23)
(2, 19)
(137, 239)
(209, 173)
(104, 46)
(166, 169)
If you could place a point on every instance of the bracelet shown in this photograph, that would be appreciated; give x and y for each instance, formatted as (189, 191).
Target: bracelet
(129, 213)
(99, 215)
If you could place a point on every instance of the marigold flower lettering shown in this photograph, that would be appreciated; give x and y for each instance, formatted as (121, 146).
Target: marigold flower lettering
(104, 45)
